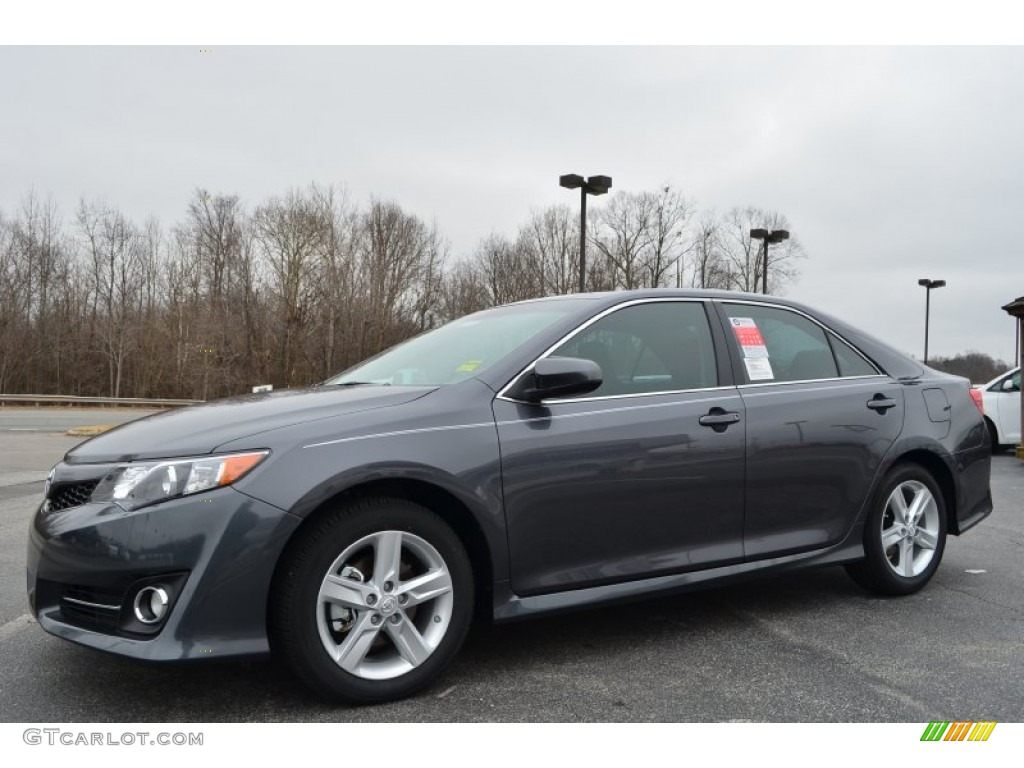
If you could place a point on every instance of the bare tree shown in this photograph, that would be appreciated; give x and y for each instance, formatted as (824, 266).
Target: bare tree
(310, 283)
(292, 233)
(401, 259)
(115, 257)
(550, 244)
(710, 269)
(507, 270)
(463, 291)
(12, 310)
(667, 246)
(744, 255)
(643, 237)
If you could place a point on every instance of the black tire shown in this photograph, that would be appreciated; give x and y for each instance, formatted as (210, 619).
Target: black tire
(886, 570)
(302, 627)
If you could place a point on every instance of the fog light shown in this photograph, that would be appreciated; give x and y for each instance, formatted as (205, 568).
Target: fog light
(151, 604)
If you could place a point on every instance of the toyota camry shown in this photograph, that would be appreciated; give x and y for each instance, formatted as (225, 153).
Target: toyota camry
(543, 456)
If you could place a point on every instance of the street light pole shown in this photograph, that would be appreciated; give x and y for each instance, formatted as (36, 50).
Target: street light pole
(928, 286)
(766, 236)
(583, 238)
(595, 185)
(764, 268)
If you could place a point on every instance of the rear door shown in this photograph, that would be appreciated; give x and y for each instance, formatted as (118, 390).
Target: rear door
(820, 418)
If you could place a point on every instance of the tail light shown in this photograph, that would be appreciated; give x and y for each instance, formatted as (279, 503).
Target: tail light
(976, 397)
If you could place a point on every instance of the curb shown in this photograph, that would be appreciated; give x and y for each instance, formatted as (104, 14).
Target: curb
(90, 430)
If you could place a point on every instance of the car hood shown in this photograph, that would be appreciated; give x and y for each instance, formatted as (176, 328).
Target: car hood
(199, 429)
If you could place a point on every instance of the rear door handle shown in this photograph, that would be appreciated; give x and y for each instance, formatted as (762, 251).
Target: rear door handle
(719, 419)
(881, 403)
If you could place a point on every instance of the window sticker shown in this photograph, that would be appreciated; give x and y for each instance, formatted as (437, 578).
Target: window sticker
(759, 368)
(469, 366)
(750, 338)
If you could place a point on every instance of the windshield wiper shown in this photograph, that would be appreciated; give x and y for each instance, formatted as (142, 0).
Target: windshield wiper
(360, 383)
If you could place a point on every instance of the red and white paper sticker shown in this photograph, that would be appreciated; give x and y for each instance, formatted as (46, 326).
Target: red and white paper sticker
(749, 337)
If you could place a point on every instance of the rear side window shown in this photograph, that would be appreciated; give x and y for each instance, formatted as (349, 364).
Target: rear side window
(651, 347)
(849, 360)
(779, 345)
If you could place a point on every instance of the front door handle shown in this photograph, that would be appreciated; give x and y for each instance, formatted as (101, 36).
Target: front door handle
(719, 419)
(881, 403)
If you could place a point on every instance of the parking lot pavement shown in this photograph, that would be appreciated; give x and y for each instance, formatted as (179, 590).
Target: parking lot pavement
(62, 419)
(804, 647)
(32, 439)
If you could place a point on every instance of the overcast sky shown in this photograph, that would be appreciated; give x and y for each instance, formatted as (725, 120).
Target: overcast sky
(891, 164)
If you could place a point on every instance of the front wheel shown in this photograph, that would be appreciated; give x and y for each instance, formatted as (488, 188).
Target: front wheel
(905, 534)
(372, 601)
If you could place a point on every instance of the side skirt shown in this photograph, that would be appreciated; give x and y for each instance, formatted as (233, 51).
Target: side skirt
(509, 607)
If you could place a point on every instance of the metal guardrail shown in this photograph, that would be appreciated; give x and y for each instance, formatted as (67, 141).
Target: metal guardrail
(130, 402)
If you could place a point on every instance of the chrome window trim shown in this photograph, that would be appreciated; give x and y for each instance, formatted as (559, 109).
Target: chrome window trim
(818, 323)
(597, 412)
(813, 381)
(559, 400)
(582, 327)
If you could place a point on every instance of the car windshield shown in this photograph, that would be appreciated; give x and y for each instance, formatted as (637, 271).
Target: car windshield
(460, 349)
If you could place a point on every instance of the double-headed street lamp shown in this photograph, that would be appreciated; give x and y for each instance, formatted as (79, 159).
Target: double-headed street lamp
(595, 185)
(928, 285)
(773, 236)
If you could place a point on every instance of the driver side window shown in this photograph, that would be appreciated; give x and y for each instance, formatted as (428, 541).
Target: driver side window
(651, 347)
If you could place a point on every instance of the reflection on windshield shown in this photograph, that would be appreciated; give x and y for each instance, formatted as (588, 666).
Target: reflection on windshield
(460, 349)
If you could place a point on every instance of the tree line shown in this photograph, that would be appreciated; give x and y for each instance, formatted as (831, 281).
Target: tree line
(306, 284)
(976, 366)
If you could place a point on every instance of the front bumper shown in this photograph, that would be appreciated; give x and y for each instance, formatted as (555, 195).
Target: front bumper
(216, 550)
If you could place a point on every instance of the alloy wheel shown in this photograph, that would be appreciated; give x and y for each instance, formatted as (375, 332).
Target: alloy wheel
(384, 605)
(910, 528)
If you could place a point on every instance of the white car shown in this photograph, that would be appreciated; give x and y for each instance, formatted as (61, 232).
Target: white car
(1001, 398)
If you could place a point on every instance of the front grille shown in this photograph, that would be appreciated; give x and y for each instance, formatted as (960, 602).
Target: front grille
(74, 495)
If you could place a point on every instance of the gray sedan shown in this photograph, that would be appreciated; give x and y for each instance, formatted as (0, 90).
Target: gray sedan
(543, 456)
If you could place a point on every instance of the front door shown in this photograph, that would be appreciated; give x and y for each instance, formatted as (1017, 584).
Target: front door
(626, 482)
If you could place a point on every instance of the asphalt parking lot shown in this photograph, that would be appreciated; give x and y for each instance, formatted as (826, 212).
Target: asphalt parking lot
(811, 647)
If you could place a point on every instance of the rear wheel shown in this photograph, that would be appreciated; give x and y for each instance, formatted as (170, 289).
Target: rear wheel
(905, 534)
(372, 601)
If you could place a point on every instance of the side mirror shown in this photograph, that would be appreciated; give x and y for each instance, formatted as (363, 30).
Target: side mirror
(1008, 386)
(559, 377)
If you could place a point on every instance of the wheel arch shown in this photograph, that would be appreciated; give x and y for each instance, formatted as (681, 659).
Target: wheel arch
(439, 500)
(994, 432)
(943, 475)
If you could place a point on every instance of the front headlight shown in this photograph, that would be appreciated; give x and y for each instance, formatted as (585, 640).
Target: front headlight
(140, 483)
